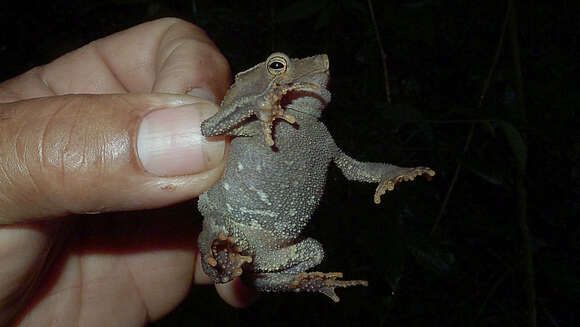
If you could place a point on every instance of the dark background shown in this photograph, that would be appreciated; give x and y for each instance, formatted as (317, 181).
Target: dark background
(503, 250)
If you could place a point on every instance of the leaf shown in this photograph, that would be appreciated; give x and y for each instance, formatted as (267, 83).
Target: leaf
(299, 10)
(357, 8)
(324, 19)
(516, 143)
(400, 114)
(487, 125)
(393, 249)
(432, 258)
(492, 171)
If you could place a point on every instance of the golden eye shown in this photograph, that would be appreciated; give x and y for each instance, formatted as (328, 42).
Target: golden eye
(277, 65)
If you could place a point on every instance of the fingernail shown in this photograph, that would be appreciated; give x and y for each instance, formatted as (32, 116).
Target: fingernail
(169, 141)
(202, 93)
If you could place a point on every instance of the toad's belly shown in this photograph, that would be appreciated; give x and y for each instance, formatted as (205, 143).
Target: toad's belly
(261, 188)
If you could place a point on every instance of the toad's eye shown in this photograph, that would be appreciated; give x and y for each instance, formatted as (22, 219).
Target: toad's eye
(277, 65)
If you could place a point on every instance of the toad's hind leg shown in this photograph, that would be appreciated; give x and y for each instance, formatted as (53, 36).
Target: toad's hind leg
(284, 270)
(222, 260)
(314, 281)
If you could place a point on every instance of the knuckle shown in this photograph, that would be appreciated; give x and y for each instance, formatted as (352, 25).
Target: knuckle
(80, 143)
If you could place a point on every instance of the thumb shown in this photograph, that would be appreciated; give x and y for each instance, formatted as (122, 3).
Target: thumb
(99, 153)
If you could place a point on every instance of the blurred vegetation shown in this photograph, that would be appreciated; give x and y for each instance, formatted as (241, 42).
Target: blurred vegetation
(430, 262)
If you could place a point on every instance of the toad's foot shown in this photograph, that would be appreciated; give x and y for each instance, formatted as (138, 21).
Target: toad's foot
(226, 259)
(324, 283)
(270, 106)
(401, 175)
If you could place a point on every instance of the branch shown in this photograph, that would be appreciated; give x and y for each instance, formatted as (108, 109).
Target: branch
(382, 50)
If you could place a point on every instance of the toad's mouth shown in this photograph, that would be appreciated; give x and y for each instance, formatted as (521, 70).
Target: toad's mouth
(306, 102)
(309, 100)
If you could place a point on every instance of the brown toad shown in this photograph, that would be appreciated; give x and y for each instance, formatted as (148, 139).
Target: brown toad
(275, 176)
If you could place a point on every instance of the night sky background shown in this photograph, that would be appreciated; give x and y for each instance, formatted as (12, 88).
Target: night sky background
(492, 240)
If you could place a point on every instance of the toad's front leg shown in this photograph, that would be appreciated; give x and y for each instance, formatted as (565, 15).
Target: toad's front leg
(267, 107)
(401, 174)
(270, 106)
(387, 175)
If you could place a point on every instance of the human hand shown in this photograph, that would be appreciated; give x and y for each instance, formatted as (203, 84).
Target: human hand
(93, 132)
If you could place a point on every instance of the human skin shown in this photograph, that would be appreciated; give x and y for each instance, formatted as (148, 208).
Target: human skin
(112, 126)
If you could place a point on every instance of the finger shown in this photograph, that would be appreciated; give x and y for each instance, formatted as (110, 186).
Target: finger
(166, 55)
(236, 294)
(188, 62)
(86, 154)
(199, 277)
